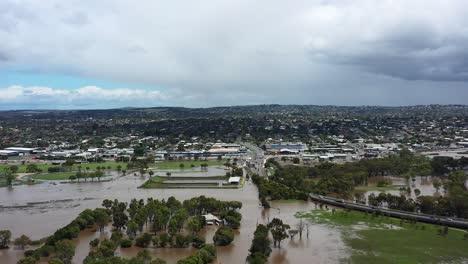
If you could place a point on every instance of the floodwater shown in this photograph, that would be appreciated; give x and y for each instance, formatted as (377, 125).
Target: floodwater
(423, 183)
(39, 210)
(193, 172)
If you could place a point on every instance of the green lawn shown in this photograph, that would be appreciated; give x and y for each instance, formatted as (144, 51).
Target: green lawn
(53, 176)
(176, 164)
(91, 166)
(22, 168)
(388, 240)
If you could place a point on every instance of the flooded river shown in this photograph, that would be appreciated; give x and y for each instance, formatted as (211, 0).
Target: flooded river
(39, 210)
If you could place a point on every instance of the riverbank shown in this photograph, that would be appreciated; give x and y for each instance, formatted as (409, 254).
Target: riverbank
(378, 239)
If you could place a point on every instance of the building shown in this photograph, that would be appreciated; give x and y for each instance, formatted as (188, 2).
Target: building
(21, 150)
(211, 219)
(9, 153)
(234, 180)
(291, 146)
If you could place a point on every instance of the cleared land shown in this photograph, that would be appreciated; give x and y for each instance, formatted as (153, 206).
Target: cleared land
(377, 239)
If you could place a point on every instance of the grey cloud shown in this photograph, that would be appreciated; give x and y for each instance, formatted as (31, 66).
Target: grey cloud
(239, 51)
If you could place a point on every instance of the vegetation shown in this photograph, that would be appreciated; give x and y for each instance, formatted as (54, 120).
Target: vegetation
(278, 231)
(5, 236)
(167, 220)
(22, 241)
(378, 239)
(268, 189)
(33, 168)
(223, 236)
(455, 203)
(206, 254)
(260, 249)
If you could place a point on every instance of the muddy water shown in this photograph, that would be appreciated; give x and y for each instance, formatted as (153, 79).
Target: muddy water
(424, 184)
(39, 210)
(193, 172)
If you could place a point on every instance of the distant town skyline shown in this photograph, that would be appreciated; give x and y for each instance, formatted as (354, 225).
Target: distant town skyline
(112, 54)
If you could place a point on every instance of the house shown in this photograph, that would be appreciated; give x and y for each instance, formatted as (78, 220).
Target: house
(211, 219)
(234, 180)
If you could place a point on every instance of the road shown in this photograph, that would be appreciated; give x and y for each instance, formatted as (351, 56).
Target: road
(431, 219)
(257, 163)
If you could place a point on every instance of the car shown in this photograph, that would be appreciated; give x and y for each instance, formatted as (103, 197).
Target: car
(449, 219)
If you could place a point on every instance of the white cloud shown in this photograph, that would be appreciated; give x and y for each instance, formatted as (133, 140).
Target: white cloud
(240, 51)
(89, 96)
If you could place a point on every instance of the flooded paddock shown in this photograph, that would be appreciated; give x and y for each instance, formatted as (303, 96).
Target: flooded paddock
(423, 183)
(39, 210)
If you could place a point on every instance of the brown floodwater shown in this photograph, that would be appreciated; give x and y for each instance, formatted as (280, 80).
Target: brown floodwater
(423, 183)
(39, 210)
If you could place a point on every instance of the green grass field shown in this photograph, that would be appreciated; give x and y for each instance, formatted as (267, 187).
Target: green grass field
(388, 240)
(176, 164)
(53, 176)
(91, 166)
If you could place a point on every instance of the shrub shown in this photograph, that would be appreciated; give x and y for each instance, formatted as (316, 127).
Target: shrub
(223, 236)
(94, 242)
(143, 241)
(125, 243)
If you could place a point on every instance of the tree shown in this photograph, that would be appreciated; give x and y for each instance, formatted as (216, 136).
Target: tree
(22, 241)
(194, 225)
(5, 236)
(14, 168)
(417, 192)
(278, 231)
(32, 168)
(132, 229)
(260, 248)
(27, 260)
(151, 173)
(437, 184)
(10, 178)
(65, 250)
(101, 217)
(143, 241)
(223, 236)
(139, 151)
(55, 261)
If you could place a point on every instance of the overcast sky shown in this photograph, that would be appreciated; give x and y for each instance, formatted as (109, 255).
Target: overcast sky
(115, 53)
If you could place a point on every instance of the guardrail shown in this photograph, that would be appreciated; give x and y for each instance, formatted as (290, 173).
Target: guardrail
(431, 219)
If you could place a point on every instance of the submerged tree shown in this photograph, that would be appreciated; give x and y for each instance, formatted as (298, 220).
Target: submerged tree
(278, 230)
